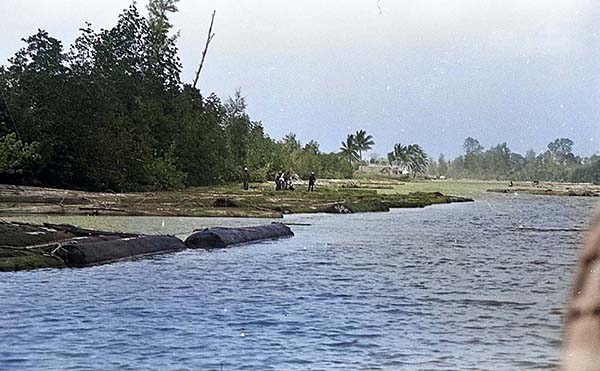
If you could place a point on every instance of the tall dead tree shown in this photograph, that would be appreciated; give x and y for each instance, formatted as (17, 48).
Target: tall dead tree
(208, 40)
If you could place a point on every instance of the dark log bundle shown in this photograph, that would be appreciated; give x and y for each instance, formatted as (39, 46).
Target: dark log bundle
(218, 238)
(104, 249)
(26, 246)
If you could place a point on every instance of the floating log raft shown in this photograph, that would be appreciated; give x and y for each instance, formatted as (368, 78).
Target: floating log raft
(103, 249)
(26, 246)
(218, 238)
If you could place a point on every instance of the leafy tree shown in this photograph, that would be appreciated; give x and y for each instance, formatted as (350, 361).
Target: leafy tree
(16, 157)
(442, 165)
(200, 145)
(473, 150)
(589, 172)
(498, 158)
(562, 150)
(163, 61)
(237, 128)
(472, 146)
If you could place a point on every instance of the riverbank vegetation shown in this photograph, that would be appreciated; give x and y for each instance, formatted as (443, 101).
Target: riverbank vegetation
(261, 200)
(557, 164)
(112, 113)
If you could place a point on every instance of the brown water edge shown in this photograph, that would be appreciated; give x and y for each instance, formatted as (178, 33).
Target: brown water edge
(225, 201)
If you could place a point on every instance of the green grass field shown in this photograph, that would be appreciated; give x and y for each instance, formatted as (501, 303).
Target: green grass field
(465, 188)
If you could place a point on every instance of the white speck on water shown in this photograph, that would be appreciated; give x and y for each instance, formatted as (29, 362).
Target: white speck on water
(243, 334)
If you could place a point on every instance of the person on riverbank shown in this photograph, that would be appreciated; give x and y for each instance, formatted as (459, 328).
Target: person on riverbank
(312, 179)
(282, 181)
(246, 179)
(278, 181)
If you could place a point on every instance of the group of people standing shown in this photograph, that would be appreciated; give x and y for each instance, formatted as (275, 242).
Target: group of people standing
(283, 181)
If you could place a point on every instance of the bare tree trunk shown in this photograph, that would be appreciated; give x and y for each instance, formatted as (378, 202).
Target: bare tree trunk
(208, 40)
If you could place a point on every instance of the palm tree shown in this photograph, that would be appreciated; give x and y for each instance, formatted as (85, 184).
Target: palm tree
(349, 149)
(411, 157)
(363, 142)
(399, 155)
(417, 159)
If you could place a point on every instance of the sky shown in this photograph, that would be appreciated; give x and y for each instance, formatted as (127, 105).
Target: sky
(431, 72)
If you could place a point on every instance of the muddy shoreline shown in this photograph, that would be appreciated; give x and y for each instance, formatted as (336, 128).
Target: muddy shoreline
(226, 201)
(551, 189)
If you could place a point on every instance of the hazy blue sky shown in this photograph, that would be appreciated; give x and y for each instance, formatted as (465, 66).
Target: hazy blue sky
(430, 72)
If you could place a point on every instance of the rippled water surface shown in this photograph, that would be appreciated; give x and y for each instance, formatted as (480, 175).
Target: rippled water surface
(446, 287)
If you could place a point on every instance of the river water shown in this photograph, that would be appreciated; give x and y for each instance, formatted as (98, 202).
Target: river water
(448, 287)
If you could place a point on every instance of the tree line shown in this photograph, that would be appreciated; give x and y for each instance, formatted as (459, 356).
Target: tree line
(112, 113)
(557, 163)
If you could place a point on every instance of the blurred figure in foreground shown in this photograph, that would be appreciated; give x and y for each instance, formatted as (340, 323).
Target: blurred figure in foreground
(581, 341)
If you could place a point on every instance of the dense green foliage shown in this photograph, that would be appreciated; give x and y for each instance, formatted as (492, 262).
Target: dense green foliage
(557, 163)
(112, 113)
(15, 156)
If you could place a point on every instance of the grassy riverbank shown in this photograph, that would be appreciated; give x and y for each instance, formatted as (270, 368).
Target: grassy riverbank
(477, 188)
(332, 196)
